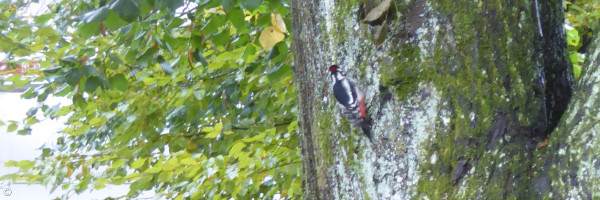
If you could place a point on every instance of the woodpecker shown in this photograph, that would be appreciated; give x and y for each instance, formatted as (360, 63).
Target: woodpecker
(350, 99)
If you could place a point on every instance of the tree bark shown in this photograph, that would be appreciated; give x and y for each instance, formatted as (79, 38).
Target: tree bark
(571, 169)
(460, 93)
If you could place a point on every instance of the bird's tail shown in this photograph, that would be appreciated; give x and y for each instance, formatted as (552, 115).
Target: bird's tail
(366, 128)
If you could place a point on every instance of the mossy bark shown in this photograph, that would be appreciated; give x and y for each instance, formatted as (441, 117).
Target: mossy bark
(459, 93)
(571, 169)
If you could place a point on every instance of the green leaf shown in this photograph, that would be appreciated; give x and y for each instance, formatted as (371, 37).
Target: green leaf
(42, 19)
(171, 42)
(131, 176)
(279, 73)
(148, 56)
(178, 144)
(256, 138)
(171, 164)
(79, 101)
(92, 83)
(236, 148)
(188, 161)
(128, 10)
(154, 170)
(138, 163)
(46, 32)
(221, 39)
(175, 22)
(575, 59)
(117, 163)
(73, 76)
(273, 53)
(155, 118)
(12, 127)
(113, 21)
(296, 188)
(170, 4)
(573, 37)
(212, 134)
(90, 29)
(119, 82)
(165, 65)
(251, 5)
(96, 15)
(29, 93)
(198, 57)
(213, 131)
(142, 183)
(220, 161)
(96, 121)
(51, 70)
(46, 152)
(236, 17)
(25, 164)
(214, 24)
(149, 81)
(99, 183)
(83, 184)
(115, 58)
(165, 176)
(219, 127)
(293, 126)
(32, 111)
(228, 4)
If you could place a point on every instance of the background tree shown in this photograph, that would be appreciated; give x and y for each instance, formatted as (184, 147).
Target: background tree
(173, 96)
(571, 167)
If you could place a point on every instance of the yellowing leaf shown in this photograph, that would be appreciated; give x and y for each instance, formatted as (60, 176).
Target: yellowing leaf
(277, 23)
(255, 138)
(378, 11)
(132, 176)
(236, 148)
(212, 134)
(208, 129)
(270, 36)
(69, 172)
(154, 170)
(219, 127)
(95, 121)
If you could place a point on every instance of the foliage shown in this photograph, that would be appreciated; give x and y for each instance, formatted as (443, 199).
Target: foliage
(169, 95)
(582, 19)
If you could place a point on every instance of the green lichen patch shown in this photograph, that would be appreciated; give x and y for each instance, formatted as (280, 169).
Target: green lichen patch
(485, 66)
(406, 72)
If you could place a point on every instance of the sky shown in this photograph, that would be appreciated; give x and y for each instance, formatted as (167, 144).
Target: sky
(26, 147)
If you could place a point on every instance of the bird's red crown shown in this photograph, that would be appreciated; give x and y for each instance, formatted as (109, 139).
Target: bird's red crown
(333, 68)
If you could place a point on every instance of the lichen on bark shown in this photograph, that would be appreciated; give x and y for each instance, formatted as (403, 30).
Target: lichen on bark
(456, 93)
(572, 167)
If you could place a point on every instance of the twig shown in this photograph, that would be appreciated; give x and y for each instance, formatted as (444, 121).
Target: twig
(246, 128)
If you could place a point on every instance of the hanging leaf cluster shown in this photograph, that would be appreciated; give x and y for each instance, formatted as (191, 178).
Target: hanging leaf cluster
(173, 96)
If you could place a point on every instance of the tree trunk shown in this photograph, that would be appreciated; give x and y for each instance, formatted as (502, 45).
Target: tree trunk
(572, 165)
(460, 93)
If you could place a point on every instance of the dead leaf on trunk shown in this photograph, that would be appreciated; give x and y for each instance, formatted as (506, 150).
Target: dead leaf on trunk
(378, 11)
